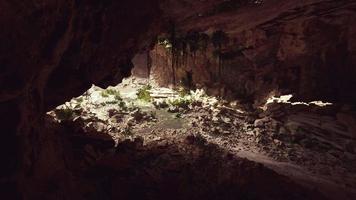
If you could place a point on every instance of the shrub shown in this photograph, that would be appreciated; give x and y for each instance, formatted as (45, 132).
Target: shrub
(108, 92)
(181, 102)
(144, 94)
(183, 92)
(104, 94)
(178, 115)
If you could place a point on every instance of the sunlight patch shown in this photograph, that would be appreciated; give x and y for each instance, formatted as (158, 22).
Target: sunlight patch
(286, 100)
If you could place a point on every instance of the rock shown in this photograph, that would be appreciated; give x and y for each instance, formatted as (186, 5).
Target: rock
(350, 147)
(259, 123)
(349, 121)
(215, 119)
(226, 120)
(282, 131)
(130, 121)
(136, 114)
(116, 118)
(173, 109)
(226, 132)
(257, 132)
(277, 142)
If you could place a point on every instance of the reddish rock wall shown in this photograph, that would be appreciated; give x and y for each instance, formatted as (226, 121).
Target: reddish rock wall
(305, 48)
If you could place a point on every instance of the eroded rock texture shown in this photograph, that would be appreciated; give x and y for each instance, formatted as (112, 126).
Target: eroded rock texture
(51, 51)
(305, 48)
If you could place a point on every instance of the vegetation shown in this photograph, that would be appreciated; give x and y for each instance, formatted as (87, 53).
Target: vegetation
(106, 93)
(180, 102)
(178, 115)
(144, 93)
(182, 91)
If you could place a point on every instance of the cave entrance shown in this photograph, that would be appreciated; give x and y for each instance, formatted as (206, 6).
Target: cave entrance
(139, 140)
(166, 136)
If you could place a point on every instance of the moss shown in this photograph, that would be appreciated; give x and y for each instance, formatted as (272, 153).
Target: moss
(144, 94)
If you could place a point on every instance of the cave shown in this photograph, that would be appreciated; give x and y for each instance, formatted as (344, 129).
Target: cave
(165, 99)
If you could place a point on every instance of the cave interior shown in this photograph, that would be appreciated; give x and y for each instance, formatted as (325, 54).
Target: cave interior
(166, 99)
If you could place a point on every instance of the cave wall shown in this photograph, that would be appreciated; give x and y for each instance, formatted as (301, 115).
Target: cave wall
(142, 65)
(51, 51)
(306, 49)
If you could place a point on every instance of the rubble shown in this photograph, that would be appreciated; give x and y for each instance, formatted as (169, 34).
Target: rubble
(305, 135)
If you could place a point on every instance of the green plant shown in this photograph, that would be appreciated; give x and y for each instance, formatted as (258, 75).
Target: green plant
(178, 115)
(108, 92)
(122, 105)
(181, 102)
(144, 94)
(104, 94)
(182, 91)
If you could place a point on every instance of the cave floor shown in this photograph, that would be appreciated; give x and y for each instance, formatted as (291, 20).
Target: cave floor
(305, 143)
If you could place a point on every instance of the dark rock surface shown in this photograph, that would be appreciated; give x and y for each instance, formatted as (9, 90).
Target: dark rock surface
(51, 51)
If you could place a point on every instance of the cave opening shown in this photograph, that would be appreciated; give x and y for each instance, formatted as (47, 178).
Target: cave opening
(171, 136)
(166, 99)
